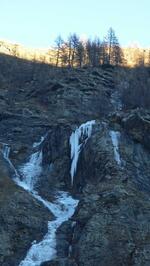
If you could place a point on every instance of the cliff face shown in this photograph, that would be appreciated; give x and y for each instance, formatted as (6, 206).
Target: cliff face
(114, 211)
(111, 179)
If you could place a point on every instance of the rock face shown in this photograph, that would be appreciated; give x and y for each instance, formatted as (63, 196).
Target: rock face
(137, 124)
(111, 223)
(113, 215)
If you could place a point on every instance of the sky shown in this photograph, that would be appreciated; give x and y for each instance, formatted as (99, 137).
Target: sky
(37, 23)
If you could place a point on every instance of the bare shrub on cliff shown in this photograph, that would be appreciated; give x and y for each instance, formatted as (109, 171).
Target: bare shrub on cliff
(136, 93)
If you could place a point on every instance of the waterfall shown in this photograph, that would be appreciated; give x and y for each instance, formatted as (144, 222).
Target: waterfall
(32, 170)
(62, 208)
(115, 135)
(77, 139)
(38, 143)
(6, 151)
(27, 175)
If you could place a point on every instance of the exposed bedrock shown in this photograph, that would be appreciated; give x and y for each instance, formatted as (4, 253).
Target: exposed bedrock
(112, 177)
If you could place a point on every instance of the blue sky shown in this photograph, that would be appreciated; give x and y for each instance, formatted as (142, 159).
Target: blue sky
(36, 23)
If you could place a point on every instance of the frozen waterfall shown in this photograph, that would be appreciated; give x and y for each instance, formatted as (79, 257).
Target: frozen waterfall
(6, 151)
(115, 135)
(77, 139)
(62, 208)
(31, 170)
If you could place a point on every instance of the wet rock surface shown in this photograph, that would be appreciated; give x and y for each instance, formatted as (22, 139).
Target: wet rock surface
(111, 223)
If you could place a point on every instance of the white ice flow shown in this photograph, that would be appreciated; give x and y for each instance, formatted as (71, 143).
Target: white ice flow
(31, 170)
(5, 149)
(38, 143)
(115, 135)
(63, 207)
(77, 139)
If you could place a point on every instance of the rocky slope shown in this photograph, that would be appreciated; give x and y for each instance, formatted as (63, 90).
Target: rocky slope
(111, 223)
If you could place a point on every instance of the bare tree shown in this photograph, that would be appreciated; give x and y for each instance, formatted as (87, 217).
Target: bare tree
(59, 43)
(15, 50)
(104, 55)
(96, 45)
(113, 48)
(80, 53)
(149, 58)
(73, 43)
(93, 51)
(74, 52)
(89, 52)
(64, 55)
(137, 93)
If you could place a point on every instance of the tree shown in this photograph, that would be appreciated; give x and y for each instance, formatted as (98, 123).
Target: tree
(96, 47)
(70, 52)
(104, 56)
(15, 50)
(64, 54)
(73, 44)
(118, 57)
(94, 52)
(80, 53)
(59, 43)
(114, 51)
(149, 58)
(89, 52)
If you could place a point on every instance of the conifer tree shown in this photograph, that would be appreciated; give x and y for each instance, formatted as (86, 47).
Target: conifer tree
(113, 49)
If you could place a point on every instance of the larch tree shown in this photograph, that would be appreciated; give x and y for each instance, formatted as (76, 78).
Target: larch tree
(59, 43)
(104, 55)
(75, 43)
(64, 54)
(114, 51)
(80, 53)
(149, 58)
(94, 52)
(89, 52)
